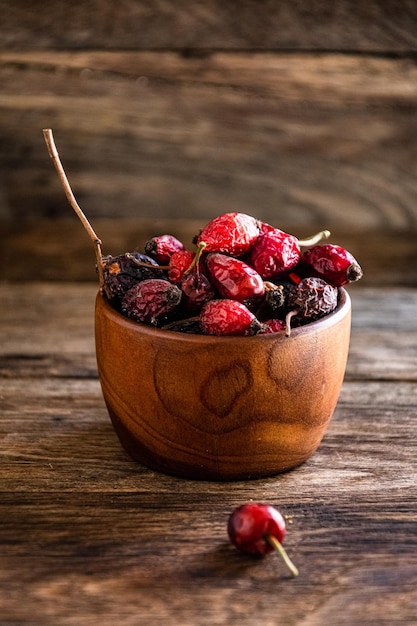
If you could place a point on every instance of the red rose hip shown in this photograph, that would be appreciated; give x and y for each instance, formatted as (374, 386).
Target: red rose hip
(231, 233)
(162, 247)
(233, 278)
(179, 263)
(228, 317)
(332, 263)
(259, 529)
(274, 253)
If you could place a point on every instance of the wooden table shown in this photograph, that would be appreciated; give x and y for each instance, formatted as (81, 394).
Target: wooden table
(87, 536)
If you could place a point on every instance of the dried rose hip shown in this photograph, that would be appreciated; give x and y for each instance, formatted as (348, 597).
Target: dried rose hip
(273, 326)
(264, 227)
(179, 263)
(271, 304)
(332, 263)
(233, 278)
(252, 274)
(274, 254)
(310, 300)
(228, 317)
(196, 290)
(189, 325)
(259, 529)
(122, 272)
(231, 233)
(162, 247)
(152, 301)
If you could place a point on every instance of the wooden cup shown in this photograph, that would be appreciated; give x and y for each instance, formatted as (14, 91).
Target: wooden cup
(221, 408)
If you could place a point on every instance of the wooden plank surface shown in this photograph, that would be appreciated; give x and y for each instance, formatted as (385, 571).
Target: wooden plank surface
(134, 24)
(59, 249)
(166, 114)
(306, 138)
(89, 536)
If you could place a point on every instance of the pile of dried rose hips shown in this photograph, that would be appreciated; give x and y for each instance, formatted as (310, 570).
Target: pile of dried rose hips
(245, 277)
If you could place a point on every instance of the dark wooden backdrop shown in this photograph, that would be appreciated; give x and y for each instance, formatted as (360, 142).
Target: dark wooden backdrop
(167, 113)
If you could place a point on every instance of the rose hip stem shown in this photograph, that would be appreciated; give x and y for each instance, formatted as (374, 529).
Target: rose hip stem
(189, 269)
(196, 259)
(53, 153)
(278, 547)
(311, 241)
(288, 318)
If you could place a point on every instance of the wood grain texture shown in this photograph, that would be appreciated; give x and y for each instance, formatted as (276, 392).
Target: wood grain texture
(179, 24)
(89, 536)
(221, 408)
(312, 139)
(60, 250)
(165, 114)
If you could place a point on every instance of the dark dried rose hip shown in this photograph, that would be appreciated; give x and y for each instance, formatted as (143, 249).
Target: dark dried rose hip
(310, 300)
(231, 233)
(196, 289)
(122, 272)
(151, 301)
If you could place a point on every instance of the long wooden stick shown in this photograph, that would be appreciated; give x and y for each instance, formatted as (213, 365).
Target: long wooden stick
(53, 153)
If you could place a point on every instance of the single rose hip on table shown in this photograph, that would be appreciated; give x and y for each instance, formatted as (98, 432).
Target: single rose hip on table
(259, 529)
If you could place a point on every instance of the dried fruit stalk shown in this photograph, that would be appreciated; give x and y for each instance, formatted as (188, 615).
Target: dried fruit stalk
(53, 153)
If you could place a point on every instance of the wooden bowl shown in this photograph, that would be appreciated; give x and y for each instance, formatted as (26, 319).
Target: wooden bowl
(221, 408)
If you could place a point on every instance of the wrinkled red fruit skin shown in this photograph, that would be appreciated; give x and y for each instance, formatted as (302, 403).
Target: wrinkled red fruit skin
(151, 301)
(233, 278)
(264, 227)
(273, 326)
(196, 290)
(162, 247)
(228, 317)
(274, 254)
(230, 233)
(179, 262)
(332, 263)
(250, 524)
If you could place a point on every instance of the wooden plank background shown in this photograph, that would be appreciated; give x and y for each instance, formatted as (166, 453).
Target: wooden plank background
(289, 24)
(171, 112)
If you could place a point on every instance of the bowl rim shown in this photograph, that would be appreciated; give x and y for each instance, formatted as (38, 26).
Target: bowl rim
(342, 309)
